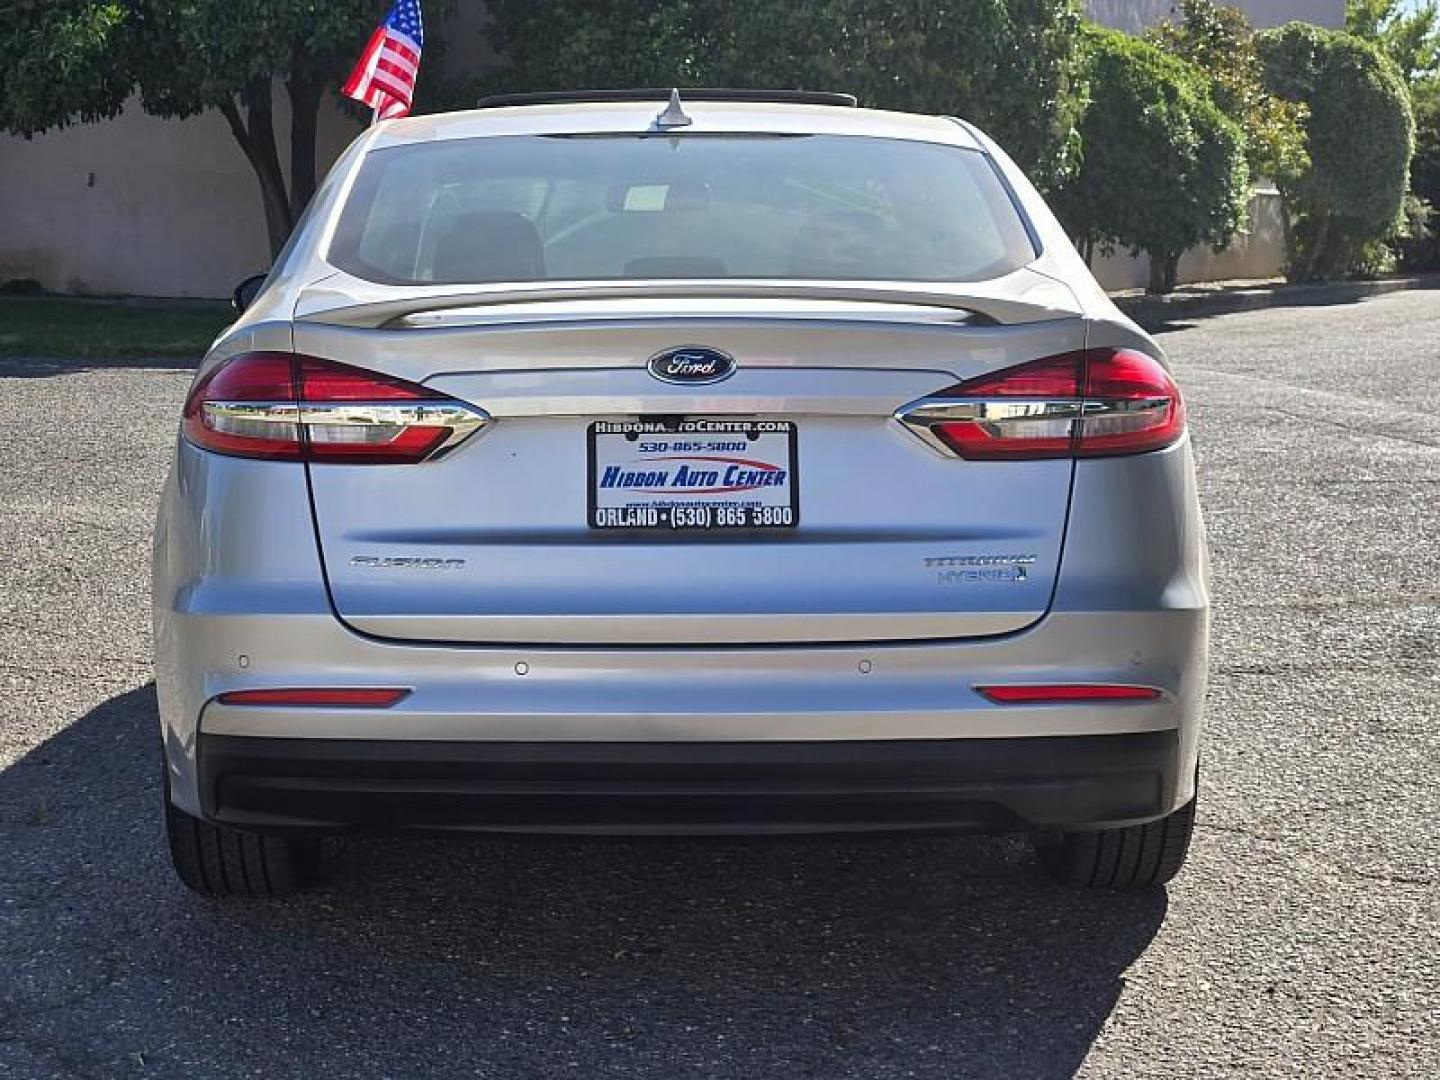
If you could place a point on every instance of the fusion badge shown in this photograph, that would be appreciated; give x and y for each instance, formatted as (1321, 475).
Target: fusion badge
(405, 562)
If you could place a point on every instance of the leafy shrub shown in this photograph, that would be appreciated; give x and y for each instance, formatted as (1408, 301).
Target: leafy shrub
(24, 286)
(1359, 135)
(1421, 250)
(1163, 169)
(1008, 65)
(1220, 41)
(1415, 244)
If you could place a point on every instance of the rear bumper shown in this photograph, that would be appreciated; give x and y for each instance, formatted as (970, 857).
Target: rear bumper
(240, 603)
(607, 787)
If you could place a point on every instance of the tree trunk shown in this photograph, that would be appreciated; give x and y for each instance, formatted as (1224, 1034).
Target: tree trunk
(278, 217)
(305, 96)
(257, 140)
(255, 132)
(1164, 271)
(1287, 232)
(1315, 258)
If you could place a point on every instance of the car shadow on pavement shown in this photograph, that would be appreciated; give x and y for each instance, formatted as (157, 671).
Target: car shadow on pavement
(926, 956)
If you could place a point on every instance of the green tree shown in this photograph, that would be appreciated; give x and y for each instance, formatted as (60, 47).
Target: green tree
(59, 65)
(1219, 40)
(1408, 35)
(1421, 251)
(1008, 65)
(1425, 168)
(1359, 135)
(79, 60)
(1163, 168)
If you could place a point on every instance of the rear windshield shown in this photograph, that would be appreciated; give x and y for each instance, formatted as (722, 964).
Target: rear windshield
(578, 208)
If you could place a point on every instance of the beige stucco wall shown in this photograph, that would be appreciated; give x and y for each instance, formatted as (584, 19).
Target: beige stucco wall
(162, 207)
(140, 205)
(1135, 15)
(1257, 252)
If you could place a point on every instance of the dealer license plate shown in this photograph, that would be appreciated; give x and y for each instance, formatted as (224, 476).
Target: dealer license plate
(694, 474)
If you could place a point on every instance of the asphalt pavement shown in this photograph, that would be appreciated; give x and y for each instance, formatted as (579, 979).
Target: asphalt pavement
(1301, 940)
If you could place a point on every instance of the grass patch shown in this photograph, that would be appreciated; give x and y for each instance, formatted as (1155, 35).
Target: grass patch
(62, 326)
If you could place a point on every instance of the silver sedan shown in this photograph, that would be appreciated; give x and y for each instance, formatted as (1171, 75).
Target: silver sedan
(741, 463)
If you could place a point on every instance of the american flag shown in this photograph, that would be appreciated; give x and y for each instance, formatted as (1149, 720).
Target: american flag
(384, 78)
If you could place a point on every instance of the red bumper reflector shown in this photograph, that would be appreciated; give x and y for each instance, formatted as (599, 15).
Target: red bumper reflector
(376, 697)
(1043, 695)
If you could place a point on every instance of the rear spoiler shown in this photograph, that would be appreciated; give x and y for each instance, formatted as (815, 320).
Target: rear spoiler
(1020, 297)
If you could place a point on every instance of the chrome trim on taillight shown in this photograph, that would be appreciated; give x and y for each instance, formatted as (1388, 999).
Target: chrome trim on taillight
(935, 410)
(462, 420)
(919, 416)
(260, 412)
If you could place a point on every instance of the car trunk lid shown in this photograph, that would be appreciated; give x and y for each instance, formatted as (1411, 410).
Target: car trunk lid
(494, 543)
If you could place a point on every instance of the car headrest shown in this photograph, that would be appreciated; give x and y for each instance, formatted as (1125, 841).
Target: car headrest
(498, 245)
(839, 244)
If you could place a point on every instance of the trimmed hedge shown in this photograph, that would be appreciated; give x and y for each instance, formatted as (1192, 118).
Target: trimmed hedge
(1009, 65)
(1360, 136)
(1163, 169)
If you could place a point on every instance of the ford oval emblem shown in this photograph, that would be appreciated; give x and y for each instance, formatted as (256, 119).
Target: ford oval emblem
(691, 365)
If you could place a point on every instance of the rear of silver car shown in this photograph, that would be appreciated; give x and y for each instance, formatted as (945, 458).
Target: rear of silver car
(480, 535)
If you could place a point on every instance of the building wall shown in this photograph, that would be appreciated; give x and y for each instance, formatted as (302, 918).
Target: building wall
(157, 207)
(141, 205)
(1135, 15)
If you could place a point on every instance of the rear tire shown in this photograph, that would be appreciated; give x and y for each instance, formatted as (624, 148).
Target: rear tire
(1128, 859)
(214, 860)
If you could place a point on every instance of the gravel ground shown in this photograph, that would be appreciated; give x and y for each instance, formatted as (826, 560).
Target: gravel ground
(1302, 939)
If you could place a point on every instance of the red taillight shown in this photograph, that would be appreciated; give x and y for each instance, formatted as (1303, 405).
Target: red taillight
(1095, 403)
(1138, 405)
(338, 697)
(325, 380)
(1052, 377)
(1037, 694)
(265, 383)
(301, 408)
